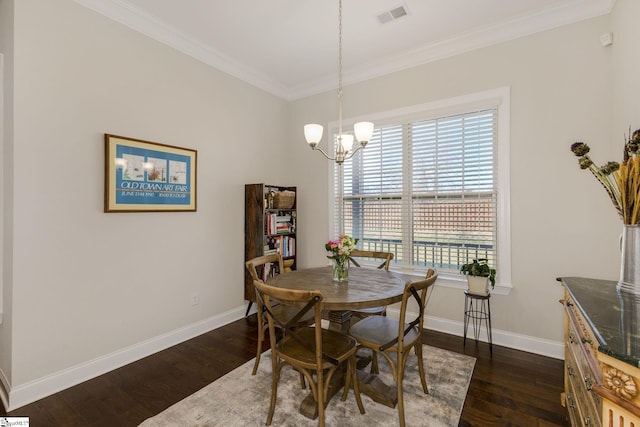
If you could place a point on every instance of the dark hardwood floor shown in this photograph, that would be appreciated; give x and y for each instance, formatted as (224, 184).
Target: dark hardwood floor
(510, 388)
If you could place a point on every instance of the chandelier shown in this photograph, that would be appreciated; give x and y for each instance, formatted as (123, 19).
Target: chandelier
(344, 143)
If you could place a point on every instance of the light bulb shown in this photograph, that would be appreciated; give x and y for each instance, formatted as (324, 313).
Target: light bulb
(313, 133)
(363, 131)
(347, 142)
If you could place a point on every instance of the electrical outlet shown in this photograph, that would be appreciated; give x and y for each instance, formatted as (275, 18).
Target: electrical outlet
(195, 298)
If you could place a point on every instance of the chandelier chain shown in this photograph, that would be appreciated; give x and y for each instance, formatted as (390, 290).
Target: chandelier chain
(339, 70)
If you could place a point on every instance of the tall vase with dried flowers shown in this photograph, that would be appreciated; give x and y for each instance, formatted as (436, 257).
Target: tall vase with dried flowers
(622, 184)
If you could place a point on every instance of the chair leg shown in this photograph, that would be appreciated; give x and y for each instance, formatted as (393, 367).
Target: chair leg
(374, 362)
(303, 384)
(261, 331)
(321, 397)
(275, 378)
(423, 378)
(401, 363)
(352, 376)
(347, 382)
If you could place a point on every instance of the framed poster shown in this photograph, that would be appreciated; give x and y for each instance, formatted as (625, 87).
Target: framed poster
(143, 176)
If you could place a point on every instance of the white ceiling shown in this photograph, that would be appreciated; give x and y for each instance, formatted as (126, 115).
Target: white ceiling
(290, 47)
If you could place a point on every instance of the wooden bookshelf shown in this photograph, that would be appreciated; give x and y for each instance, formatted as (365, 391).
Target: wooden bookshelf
(269, 226)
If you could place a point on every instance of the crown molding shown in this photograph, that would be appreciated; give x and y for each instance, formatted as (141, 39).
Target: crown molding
(123, 12)
(577, 11)
(138, 20)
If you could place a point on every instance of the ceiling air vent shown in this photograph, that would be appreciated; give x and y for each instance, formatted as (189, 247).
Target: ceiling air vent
(392, 14)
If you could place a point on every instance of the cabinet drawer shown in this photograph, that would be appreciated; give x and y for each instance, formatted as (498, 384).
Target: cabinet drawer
(583, 345)
(582, 371)
(578, 415)
(588, 402)
(580, 334)
(572, 407)
(584, 362)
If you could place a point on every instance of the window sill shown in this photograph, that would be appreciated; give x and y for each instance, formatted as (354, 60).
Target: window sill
(452, 282)
(456, 281)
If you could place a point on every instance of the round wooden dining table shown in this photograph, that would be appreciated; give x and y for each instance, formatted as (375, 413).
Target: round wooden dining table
(366, 287)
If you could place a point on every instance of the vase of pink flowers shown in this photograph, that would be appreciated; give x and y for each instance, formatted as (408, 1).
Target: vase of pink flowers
(339, 250)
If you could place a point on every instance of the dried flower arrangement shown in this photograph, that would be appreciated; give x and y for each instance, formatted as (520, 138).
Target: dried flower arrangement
(620, 181)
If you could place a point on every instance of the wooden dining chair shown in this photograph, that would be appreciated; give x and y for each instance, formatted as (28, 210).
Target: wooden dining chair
(282, 310)
(381, 310)
(386, 258)
(387, 336)
(315, 352)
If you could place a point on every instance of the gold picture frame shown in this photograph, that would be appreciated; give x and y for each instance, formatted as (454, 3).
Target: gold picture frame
(144, 176)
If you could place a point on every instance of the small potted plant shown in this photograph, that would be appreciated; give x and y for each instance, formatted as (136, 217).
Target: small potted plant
(479, 275)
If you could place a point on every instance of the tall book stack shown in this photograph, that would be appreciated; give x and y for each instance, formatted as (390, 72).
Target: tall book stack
(278, 223)
(283, 245)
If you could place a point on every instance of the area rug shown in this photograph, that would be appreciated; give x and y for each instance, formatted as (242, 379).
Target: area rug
(241, 399)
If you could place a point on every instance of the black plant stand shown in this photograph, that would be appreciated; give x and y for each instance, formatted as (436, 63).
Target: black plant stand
(477, 309)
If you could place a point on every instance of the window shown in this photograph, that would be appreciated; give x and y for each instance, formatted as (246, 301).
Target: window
(429, 186)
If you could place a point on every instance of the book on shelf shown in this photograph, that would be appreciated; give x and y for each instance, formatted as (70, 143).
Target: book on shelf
(278, 224)
(283, 229)
(269, 270)
(283, 245)
(265, 271)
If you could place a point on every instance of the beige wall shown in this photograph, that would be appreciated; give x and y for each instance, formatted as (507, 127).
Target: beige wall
(562, 223)
(626, 63)
(86, 283)
(6, 193)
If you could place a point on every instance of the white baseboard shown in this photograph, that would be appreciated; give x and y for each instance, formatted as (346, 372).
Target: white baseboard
(526, 343)
(24, 394)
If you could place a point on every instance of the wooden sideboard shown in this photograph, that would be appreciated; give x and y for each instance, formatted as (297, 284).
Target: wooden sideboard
(602, 354)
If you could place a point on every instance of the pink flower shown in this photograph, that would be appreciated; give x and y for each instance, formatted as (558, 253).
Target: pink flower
(340, 248)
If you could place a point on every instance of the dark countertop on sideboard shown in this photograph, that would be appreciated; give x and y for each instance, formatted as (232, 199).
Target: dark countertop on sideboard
(613, 316)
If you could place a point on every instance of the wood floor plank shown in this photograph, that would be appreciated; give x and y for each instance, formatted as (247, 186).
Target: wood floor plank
(508, 387)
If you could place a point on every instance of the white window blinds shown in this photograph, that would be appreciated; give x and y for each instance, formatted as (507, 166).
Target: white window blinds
(424, 190)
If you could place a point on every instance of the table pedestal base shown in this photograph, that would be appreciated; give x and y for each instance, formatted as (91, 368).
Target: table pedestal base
(377, 390)
(370, 384)
(338, 320)
(308, 407)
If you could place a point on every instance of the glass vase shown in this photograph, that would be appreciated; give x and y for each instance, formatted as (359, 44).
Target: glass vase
(340, 271)
(630, 260)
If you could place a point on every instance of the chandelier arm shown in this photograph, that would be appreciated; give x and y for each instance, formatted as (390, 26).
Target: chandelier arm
(323, 153)
(351, 154)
